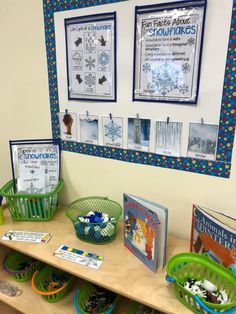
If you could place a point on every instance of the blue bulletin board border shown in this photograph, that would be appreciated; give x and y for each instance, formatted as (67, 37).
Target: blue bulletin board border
(220, 167)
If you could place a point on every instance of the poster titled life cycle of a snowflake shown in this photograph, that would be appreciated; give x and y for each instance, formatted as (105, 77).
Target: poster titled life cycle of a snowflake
(91, 57)
(168, 51)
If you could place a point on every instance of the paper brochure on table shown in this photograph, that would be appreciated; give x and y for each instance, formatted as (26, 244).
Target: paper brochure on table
(79, 256)
(27, 236)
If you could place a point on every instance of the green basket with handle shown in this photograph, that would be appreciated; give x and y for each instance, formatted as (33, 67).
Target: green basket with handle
(95, 233)
(136, 307)
(81, 297)
(195, 266)
(46, 276)
(15, 260)
(31, 207)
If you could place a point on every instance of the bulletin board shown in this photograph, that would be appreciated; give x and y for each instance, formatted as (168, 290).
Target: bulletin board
(221, 110)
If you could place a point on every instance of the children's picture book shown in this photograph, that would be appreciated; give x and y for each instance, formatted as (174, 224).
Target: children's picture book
(214, 234)
(145, 230)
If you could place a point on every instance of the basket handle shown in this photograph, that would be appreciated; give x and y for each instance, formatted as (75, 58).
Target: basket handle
(209, 310)
(47, 292)
(75, 301)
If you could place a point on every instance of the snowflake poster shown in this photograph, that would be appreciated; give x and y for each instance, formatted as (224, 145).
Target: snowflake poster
(168, 52)
(91, 57)
(168, 138)
(112, 131)
(139, 134)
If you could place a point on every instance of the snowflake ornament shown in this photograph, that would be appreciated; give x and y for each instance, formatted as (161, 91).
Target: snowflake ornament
(113, 131)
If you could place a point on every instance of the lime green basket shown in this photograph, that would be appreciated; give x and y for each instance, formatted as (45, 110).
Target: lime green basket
(96, 233)
(199, 267)
(46, 274)
(134, 309)
(81, 297)
(14, 259)
(31, 207)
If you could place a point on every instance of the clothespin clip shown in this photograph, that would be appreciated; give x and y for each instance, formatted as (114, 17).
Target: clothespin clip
(66, 111)
(110, 115)
(202, 121)
(168, 120)
(87, 115)
(137, 116)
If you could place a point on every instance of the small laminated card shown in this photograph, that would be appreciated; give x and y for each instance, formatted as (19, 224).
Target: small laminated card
(27, 236)
(79, 256)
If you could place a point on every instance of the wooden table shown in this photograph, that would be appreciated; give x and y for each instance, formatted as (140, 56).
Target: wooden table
(120, 272)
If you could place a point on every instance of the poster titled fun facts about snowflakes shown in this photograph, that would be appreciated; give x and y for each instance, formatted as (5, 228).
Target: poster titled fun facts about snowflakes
(168, 45)
(91, 57)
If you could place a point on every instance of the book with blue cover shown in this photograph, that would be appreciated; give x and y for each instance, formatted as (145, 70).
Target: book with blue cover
(214, 234)
(145, 230)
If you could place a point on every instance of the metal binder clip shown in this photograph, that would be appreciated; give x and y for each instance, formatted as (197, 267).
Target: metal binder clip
(168, 120)
(202, 121)
(110, 115)
(137, 116)
(66, 111)
(87, 115)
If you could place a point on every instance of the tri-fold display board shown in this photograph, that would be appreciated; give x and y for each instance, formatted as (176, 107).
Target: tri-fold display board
(145, 82)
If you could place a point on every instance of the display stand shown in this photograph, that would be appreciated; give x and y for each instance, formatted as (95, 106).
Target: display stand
(120, 272)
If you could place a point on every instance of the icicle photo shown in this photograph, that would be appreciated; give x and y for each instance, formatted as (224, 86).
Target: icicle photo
(139, 134)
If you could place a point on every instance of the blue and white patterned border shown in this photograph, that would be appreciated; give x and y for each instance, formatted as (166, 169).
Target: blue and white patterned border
(220, 168)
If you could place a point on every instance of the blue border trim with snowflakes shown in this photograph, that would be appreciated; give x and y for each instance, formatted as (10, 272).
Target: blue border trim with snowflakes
(220, 168)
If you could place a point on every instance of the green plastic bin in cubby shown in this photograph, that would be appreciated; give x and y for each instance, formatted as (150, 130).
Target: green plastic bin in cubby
(46, 275)
(200, 267)
(134, 308)
(95, 233)
(31, 207)
(83, 294)
(15, 259)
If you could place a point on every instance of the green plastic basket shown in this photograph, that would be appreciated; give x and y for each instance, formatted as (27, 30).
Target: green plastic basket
(31, 207)
(96, 233)
(12, 262)
(199, 267)
(134, 308)
(81, 297)
(46, 274)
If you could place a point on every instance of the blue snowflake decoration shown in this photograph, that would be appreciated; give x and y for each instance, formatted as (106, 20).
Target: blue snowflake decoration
(90, 79)
(191, 41)
(183, 88)
(186, 67)
(104, 58)
(90, 63)
(165, 79)
(113, 131)
(146, 67)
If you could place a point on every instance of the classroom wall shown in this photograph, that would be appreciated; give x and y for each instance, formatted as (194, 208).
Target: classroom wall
(24, 103)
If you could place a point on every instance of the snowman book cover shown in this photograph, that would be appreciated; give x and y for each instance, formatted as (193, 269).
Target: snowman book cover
(145, 227)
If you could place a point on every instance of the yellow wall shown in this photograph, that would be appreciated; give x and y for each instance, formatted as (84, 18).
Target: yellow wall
(25, 113)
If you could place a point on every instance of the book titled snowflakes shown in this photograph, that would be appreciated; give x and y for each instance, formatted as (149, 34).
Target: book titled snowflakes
(112, 131)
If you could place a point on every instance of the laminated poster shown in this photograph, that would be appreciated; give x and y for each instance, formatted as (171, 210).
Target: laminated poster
(168, 138)
(91, 57)
(168, 51)
(112, 131)
(68, 126)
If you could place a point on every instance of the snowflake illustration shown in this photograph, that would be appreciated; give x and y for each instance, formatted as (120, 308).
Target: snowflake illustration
(186, 67)
(33, 190)
(90, 63)
(104, 58)
(183, 88)
(112, 131)
(165, 79)
(90, 79)
(146, 67)
(191, 41)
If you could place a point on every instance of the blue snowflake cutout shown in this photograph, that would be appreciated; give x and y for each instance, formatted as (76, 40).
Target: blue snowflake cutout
(113, 131)
(183, 88)
(165, 79)
(146, 67)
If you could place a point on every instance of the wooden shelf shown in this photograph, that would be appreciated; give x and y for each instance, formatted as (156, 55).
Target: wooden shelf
(120, 272)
